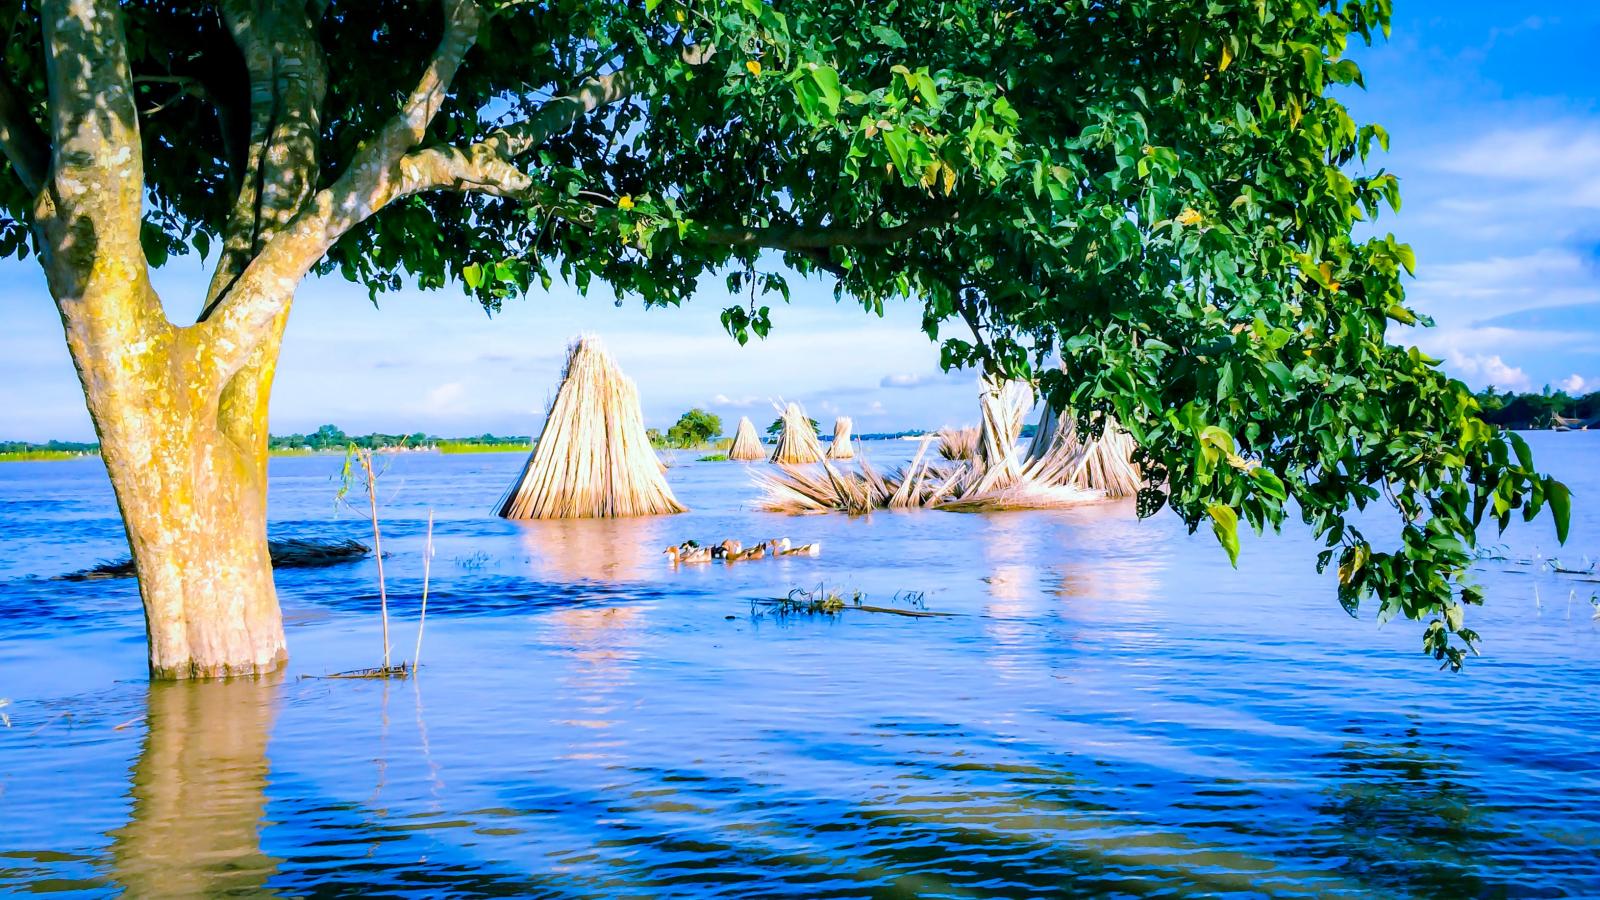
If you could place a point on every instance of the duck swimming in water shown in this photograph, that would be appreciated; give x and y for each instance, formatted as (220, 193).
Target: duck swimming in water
(782, 547)
(688, 553)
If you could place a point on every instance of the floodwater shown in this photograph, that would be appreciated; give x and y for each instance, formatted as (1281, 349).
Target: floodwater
(1111, 709)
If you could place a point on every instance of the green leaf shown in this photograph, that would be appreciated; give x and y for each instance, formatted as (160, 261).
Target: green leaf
(1524, 452)
(889, 37)
(1225, 524)
(1269, 483)
(1560, 499)
(827, 82)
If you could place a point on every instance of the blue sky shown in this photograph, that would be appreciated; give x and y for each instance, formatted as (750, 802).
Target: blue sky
(1494, 111)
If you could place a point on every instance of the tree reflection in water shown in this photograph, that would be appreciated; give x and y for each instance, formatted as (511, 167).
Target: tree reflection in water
(199, 792)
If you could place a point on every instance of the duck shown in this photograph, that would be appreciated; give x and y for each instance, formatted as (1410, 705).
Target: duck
(782, 547)
(756, 552)
(726, 549)
(688, 554)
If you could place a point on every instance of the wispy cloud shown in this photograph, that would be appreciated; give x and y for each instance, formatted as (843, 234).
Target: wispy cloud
(1481, 371)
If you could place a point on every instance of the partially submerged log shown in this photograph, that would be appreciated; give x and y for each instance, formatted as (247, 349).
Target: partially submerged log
(289, 553)
(593, 459)
(746, 443)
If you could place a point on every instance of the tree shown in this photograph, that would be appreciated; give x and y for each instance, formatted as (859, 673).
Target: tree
(1161, 192)
(694, 428)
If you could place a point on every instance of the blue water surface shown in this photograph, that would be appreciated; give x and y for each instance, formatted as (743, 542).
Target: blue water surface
(1111, 709)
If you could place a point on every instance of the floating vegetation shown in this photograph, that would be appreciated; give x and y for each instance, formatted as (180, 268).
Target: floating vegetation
(797, 442)
(825, 601)
(713, 457)
(746, 442)
(593, 459)
(403, 670)
(842, 447)
(481, 447)
(290, 553)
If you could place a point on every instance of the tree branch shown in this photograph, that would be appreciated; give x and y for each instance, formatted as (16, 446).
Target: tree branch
(91, 206)
(288, 81)
(22, 140)
(246, 314)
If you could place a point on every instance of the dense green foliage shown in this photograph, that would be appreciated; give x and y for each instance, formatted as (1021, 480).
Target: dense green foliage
(694, 428)
(1162, 194)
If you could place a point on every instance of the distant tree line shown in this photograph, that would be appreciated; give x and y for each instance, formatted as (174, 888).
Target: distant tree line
(48, 446)
(1509, 409)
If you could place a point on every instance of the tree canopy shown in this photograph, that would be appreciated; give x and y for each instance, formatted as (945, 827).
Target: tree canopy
(694, 428)
(1164, 195)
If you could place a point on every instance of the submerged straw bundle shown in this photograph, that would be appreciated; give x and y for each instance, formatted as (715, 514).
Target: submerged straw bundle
(797, 443)
(1059, 469)
(593, 458)
(958, 443)
(1060, 456)
(841, 448)
(746, 443)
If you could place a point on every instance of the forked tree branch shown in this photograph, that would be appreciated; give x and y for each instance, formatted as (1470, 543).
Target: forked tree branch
(245, 315)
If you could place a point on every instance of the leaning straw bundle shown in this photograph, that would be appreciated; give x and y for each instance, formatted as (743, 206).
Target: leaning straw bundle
(841, 448)
(798, 441)
(1059, 456)
(746, 443)
(994, 462)
(593, 458)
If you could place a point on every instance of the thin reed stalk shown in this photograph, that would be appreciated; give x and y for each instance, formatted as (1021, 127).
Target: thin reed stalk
(422, 618)
(364, 456)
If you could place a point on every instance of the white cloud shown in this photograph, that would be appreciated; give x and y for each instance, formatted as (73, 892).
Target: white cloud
(904, 380)
(736, 402)
(444, 398)
(1481, 371)
(1574, 383)
(1564, 153)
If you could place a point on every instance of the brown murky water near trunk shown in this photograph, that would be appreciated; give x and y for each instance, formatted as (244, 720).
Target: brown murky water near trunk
(1110, 709)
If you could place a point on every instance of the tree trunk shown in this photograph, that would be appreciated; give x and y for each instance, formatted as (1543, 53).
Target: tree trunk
(187, 462)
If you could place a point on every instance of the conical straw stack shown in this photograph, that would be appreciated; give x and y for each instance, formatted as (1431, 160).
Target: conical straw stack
(746, 443)
(797, 444)
(842, 447)
(593, 458)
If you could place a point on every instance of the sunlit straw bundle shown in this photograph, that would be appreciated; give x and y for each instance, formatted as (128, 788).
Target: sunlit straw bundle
(593, 458)
(1059, 455)
(995, 463)
(841, 448)
(797, 443)
(958, 443)
(746, 443)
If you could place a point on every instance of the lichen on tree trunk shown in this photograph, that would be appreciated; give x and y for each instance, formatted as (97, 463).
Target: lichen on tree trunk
(187, 463)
